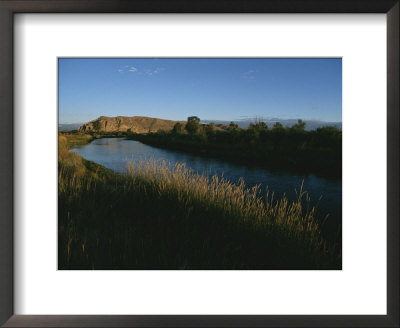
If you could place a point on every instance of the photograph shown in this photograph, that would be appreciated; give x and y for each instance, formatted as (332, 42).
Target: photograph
(181, 163)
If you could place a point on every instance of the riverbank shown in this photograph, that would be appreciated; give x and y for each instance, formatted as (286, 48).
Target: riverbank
(157, 217)
(280, 149)
(318, 151)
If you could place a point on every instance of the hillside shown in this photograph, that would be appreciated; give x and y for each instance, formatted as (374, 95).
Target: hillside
(136, 124)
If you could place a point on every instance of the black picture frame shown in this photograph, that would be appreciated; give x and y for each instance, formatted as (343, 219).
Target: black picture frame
(7, 10)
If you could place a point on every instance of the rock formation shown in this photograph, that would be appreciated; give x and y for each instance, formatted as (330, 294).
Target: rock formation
(136, 124)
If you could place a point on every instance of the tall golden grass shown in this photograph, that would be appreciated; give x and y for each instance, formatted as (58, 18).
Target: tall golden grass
(155, 196)
(237, 202)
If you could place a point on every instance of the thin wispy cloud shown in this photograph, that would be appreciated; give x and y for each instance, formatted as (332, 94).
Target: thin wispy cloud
(127, 68)
(249, 75)
(146, 72)
(158, 70)
(153, 71)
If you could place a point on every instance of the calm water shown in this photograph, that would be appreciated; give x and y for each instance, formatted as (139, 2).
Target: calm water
(114, 153)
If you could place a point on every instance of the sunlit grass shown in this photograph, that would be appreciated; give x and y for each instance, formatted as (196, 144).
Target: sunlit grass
(237, 202)
(66, 140)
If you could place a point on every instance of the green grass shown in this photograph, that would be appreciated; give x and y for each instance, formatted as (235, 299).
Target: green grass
(159, 216)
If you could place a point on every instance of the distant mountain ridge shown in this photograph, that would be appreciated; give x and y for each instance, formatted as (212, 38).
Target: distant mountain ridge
(310, 124)
(136, 124)
(69, 126)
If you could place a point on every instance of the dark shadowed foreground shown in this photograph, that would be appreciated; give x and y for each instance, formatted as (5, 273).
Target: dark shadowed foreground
(162, 217)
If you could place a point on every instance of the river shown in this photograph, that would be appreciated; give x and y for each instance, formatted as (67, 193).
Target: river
(114, 153)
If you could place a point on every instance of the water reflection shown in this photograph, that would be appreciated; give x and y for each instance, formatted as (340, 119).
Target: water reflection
(114, 153)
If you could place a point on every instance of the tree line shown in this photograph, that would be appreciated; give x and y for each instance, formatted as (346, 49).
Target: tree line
(279, 147)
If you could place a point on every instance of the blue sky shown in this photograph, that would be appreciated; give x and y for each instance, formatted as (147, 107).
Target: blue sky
(210, 88)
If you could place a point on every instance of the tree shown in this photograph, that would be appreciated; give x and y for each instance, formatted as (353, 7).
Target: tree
(300, 125)
(193, 124)
(277, 126)
(178, 128)
(258, 125)
(233, 126)
(210, 129)
(252, 133)
(261, 126)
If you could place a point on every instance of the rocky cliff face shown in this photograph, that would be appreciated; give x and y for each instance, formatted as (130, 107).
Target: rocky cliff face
(136, 124)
